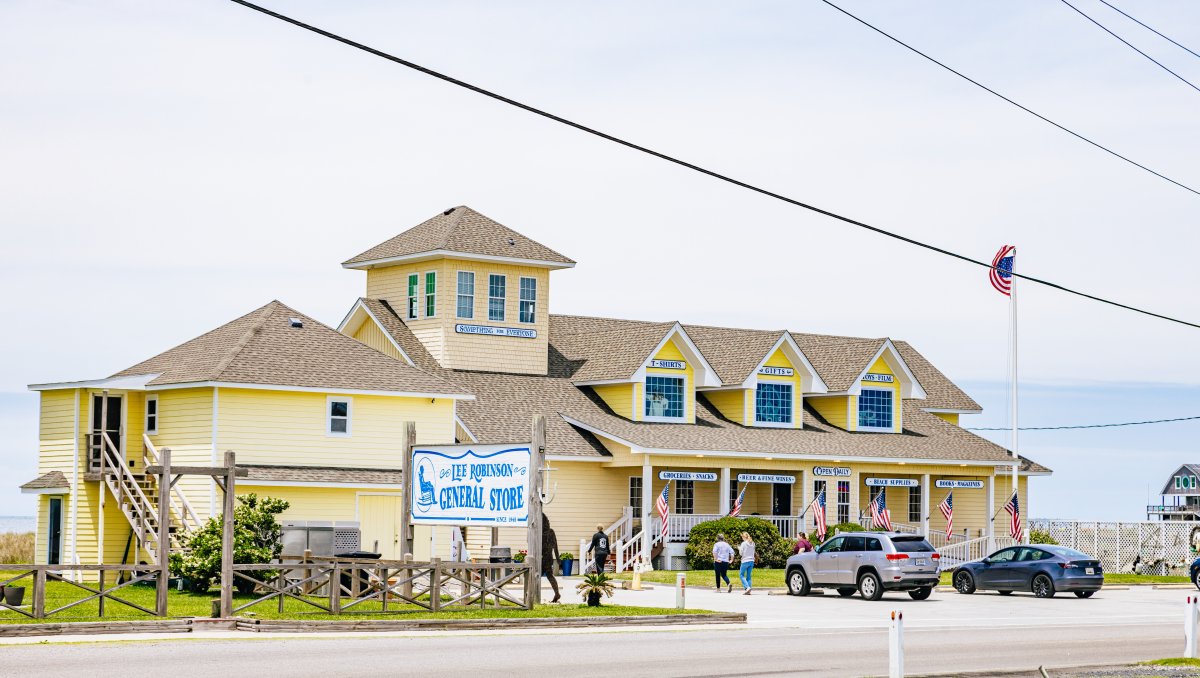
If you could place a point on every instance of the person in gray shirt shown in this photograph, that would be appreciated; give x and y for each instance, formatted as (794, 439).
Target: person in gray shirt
(722, 557)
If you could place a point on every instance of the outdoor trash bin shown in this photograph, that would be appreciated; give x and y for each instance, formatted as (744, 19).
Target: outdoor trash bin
(364, 580)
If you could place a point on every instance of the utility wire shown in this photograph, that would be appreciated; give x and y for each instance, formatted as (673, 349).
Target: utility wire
(1130, 45)
(984, 87)
(693, 167)
(1063, 428)
(1143, 25)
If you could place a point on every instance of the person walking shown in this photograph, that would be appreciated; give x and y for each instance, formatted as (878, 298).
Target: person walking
(722, 557)
(550, 555)
(803, 545)
(746, 571)
(599, 548)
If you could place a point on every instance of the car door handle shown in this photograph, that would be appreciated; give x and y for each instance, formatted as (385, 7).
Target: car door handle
(858, 556)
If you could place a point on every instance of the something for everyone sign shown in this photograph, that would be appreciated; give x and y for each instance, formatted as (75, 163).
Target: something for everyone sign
(470, 484)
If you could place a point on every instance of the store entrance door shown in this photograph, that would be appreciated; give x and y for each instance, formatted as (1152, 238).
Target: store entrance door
(781, 499)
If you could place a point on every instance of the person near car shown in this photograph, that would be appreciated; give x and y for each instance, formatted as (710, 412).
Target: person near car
(746, 571)
(803, 545)
(599, 548)
(722, 557)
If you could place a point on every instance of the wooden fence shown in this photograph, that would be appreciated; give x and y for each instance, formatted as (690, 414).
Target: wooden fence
(40, 575)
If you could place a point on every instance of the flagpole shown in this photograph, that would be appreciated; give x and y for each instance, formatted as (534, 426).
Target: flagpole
(1013, 323)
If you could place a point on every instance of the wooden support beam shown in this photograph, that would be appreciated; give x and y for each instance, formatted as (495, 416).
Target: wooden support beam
(164, 534)
(408, 439)
(216, 471)
(537, 455)
(227, 536)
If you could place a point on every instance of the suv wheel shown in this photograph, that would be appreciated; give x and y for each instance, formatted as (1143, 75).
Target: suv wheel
(869, 587)
(921, 593)
(797, 583)
(1043, 587)
(964, 582)
(845, 592)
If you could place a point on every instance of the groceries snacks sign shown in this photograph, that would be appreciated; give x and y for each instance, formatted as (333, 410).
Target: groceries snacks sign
(470, 484)
(687, 475)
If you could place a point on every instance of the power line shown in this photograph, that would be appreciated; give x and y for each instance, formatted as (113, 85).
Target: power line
(1063, 428)
(1130, 45)
(1143, 25)
(1035, 114)
(691, 166)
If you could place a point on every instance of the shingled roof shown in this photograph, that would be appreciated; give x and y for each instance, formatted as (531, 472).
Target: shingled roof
(320, 474)
(279, 346)
(460, 230)
(54, 480)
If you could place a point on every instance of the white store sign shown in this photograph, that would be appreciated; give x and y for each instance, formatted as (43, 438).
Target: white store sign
(777, 371)
(885, 378)
(960, 484)
(834, 471)
(496, 331)
(892, 482)
(687, 475)
(470, 485)
(669, 364)
(765, 478)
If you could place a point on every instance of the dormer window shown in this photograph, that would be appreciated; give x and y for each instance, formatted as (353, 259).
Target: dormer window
(875, 410)
(664, 398)
(773, 403)
(413, 281)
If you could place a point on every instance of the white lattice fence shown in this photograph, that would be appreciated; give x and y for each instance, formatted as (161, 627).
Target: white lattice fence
(1151, 547)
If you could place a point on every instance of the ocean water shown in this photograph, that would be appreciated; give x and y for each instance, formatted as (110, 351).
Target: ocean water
(17, 523)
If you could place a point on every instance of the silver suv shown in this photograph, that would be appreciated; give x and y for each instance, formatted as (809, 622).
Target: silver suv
(867, 562)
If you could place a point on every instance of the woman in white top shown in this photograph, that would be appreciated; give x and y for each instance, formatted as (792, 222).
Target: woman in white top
(746, 571)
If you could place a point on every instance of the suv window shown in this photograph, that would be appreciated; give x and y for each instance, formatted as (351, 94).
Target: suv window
(832, 546)
(873, 545)
(853, 544)
(911, 544)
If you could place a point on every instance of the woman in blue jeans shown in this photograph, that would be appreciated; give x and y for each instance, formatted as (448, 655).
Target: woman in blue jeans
(746, 571)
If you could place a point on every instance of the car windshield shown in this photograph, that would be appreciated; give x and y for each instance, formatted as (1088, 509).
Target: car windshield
(1067, 553)
(911, 544)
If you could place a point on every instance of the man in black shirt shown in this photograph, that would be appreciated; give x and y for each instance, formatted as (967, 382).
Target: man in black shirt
(550, 555)
(599, 548)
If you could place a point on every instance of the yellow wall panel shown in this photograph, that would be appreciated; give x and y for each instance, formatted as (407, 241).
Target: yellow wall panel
(619, 397)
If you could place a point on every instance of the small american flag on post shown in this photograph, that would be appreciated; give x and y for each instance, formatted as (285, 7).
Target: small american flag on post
(663, 509)
(947, 509)
(880, 515)
(818, 509)
(1014, 511)
(1001, 271)
(737, 504)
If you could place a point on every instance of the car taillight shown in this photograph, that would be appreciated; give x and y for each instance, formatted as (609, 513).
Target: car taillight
(1065, 565)
(935, 556)
(897, 556)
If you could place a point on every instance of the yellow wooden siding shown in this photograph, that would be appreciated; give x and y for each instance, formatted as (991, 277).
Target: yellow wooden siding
(833, 409)
(185, 422)
(670, 351)
(881, 367)
(730, 403)
(56, 452)
(619, 397)
(372, 335)
(951, 417)
(638, 408)
(285, 427)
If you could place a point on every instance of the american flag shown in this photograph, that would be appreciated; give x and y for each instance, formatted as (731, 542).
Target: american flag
(1001, 271)
(737, 504)
(818, 510)
(663, 509)
(947, 509)
(1014, 511)
(880, 515)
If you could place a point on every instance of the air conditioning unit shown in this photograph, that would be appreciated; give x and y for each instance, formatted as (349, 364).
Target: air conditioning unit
(321, 537)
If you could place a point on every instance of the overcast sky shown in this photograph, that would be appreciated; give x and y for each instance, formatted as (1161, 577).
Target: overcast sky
(167, 167)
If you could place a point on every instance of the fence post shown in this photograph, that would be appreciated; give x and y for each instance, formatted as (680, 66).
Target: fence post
(680, 590)
(335, 589)
(435, 584)
(1189, 627)
(100, 600)
(896, 645)
(39, 592)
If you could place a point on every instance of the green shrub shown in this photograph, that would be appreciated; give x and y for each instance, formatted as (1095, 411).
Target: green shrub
(770, 549)
(837, 529)
(257, 538)
(1041, 537)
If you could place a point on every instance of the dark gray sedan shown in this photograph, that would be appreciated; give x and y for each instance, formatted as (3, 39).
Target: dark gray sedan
(1041, 569)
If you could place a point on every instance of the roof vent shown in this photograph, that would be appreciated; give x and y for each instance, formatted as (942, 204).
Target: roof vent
(447, 212)
(512, 243)
(296, 322)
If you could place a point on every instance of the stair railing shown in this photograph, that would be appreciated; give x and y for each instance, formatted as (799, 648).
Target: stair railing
(187, 516)
(127, 484)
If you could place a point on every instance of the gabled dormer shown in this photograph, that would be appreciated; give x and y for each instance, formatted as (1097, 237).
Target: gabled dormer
(872, 399)
(771, 392)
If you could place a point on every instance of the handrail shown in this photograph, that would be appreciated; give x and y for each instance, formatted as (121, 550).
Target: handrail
(127, 481)
(187, 511)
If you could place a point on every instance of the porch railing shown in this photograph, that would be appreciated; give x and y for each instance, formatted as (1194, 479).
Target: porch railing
(680, 526)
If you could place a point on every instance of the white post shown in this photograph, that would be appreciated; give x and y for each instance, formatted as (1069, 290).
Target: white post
(1190, 618)
(896, 645)
(1016, 455)
(925, 505)
(647, 510)
(990, 526)
(681, 591)
(723, 493)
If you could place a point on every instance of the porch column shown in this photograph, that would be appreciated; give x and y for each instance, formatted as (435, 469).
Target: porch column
(647, 508)
(989, 526)
(925, 505)
(723, 493)
(805, 499)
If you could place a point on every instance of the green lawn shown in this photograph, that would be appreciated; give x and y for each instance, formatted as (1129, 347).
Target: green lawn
(184, 604)
(1174, 661)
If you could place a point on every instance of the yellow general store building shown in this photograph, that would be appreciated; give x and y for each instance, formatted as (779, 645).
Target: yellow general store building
(454, 333)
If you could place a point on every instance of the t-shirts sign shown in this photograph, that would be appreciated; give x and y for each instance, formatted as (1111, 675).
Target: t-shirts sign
(668, 364)
(470, 485)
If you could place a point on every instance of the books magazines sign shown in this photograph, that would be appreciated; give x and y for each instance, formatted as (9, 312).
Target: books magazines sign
(470, 485)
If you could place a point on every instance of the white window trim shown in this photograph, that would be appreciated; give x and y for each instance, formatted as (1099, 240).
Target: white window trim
(329, 400)
(425, 297)
(520, 301)
(157, 412)
(667, 420)
(504, 299)
(458, 293)
(876, 429)
(774, 424)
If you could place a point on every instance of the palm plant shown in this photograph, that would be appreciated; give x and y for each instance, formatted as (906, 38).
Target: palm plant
(595, 585)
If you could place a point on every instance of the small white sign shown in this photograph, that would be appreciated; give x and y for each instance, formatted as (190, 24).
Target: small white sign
(892, 482)
(669, 364)
(470, 485)
(885, 378)
(765, 478)
(959, 484)
(777, 371)
(687, 475)
(835, 471)
(496, 331)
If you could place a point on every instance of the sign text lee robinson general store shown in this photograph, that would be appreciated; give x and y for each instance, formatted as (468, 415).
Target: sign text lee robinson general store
(470, 484)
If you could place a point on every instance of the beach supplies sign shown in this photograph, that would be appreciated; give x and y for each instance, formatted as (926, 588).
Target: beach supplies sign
(470, 485)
